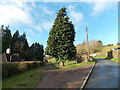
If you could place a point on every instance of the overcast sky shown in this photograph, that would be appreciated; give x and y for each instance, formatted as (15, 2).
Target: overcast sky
(36, 19)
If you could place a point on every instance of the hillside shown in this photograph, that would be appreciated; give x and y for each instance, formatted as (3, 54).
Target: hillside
(104, 53)
(107, 48)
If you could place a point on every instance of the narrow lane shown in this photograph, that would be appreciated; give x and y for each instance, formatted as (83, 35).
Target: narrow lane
(104, 75)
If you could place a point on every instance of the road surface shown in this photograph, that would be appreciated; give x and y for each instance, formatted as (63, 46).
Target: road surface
(104, 75)
(64, 78)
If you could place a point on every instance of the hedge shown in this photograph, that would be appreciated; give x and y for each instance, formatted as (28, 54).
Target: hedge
(14, 68)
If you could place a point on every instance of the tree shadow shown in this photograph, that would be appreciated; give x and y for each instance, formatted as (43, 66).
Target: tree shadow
(108, 58)
(50, 66)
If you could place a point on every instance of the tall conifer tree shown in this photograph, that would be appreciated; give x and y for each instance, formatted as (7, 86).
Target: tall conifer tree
(15, 42)
(38, 51)
(60, 42)
(6, 39)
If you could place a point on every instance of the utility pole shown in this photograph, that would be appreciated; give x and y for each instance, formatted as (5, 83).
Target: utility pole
(87, 44)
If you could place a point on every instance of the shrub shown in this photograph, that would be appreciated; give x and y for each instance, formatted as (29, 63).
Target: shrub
(35, 64)
(29, 65)
(13, 69)
(4, 73)
(10, 69)
(22, 67)
(41, 63)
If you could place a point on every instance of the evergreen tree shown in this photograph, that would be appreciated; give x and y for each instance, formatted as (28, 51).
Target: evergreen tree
(24, 42)
(16, 36)
(6, 39)
(16, 42)
(38, 51)
(24, 47)
(1, 28)
(20, 43)
(41, 52)
(61, 38)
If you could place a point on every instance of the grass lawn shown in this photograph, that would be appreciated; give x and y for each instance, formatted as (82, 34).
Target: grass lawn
(76, 65)
(52, 60)
(28, 79)
(101, 57)
(70, 64)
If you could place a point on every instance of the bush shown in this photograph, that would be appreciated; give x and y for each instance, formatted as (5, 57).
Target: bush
(22, 67)
(110, 45)
(29, 65)
(41, 63)
(10, 69)
(4, 73)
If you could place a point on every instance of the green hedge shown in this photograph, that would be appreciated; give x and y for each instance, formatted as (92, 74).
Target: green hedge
(11, 69)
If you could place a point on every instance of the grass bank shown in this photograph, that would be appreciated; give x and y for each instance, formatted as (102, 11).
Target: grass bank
(70, 64)
(113, 59)
(76, 65)
(28, 79)
(107, 48)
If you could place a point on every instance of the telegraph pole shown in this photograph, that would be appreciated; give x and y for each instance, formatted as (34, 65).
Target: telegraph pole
(87, 44)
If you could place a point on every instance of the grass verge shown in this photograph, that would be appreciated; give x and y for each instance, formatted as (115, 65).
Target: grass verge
(76, 65)
(28, 79)
(108, 58)
(101, 57)
(70, 64)
(115, 60)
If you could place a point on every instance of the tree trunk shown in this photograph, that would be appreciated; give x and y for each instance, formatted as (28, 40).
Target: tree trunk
(62, 64)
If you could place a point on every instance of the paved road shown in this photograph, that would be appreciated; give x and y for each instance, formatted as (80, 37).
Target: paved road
(104, 75)
(64, 78)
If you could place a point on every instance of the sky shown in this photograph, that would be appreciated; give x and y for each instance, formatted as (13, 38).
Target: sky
(36, 18)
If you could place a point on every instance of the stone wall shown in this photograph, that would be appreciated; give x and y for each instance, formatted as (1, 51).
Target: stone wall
(116, 54)
(103, 54)
(111, 54)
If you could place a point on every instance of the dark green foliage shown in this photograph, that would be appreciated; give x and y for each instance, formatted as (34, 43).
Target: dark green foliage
(0, 40)
(24, 43)
(38, 51)
(19, 44)
(16, 43)
(6, 38)
(27, 55)
(61, 38)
